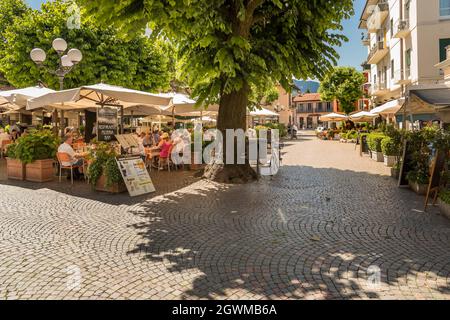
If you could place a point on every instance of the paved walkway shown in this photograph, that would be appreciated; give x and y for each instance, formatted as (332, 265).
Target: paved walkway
(331, 225)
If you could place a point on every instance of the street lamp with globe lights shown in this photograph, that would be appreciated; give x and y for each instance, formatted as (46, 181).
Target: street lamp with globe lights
(67, 61)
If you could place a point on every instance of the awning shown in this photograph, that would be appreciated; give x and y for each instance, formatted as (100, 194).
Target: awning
(99, 94)
(438, 95)
(418, 117)
(333, 117)
(390, 107)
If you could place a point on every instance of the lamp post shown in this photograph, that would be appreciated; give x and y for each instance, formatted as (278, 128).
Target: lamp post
(67, 61)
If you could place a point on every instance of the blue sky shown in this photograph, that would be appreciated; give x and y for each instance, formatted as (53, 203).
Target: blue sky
(352, 53)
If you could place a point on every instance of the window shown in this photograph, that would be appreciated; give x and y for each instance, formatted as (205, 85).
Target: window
(301, 107)
(320, 107)
(392, 28)
(392, 69)
(444, 7)
(310, 108)
(329, 108)
(408, 63)
(443, 43)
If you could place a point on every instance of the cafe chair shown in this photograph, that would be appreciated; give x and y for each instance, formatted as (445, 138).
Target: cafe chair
(4, 147)
(64, 157)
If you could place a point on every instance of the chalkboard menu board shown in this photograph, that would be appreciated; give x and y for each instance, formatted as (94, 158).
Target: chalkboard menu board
(107, 124)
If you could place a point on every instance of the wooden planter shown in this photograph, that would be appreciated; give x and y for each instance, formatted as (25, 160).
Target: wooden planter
(395, 173)
(114, 188)
(15, 169)
(40, 171)
(389, 161)
(420, 189)
(444, 207)
(377, 156)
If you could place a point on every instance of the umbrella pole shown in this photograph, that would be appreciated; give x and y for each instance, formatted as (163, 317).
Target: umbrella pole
(173, 118)
(121, 119)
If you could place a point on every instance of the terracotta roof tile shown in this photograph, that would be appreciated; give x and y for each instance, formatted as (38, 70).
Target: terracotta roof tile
(308, 97)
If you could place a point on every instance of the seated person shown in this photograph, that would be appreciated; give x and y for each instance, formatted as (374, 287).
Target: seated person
(147, 140)
(165, 145)
(75, 158)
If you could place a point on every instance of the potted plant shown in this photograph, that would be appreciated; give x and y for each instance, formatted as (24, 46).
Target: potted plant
(390, 151)
(443, 202)
(104, 173)
(418, 181)
(14, 167)
(37, 151)
(374, 143)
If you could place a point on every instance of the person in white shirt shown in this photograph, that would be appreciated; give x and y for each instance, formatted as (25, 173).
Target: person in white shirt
(75, 158)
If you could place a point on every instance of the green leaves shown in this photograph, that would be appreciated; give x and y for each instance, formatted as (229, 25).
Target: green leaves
(343, 84)
(135, 61)
(36, 145)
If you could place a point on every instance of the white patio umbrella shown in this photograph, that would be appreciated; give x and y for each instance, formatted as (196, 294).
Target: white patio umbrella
(98, 95)
(19, 97)
(333, 117)
(363, 116)
(390, 107)
(263, 113)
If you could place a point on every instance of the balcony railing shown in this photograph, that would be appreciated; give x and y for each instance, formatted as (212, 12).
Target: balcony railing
(401, 29)
(402, 76)
(378, 51)
(379, 15)
(379, 88)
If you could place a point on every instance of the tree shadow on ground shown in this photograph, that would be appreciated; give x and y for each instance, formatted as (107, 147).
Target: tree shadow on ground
(165, 182)
(307, 233)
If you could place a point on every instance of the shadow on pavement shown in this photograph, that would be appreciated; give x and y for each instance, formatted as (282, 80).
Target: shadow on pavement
(306, 233)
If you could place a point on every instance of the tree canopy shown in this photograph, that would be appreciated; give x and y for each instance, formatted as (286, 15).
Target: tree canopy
(226, 43)
(343, 84)
(135, 62)
(9, 11)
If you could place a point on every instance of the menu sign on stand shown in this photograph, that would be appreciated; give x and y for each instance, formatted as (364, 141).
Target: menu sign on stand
(107, 124)
(135, 176)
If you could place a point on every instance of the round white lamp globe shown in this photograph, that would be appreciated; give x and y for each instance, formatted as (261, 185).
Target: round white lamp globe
(38, 55)
(65, 61)
(75, 56)
(60, 45)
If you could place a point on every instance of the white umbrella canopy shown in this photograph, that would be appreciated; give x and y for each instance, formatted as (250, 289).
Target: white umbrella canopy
(363, 116)
(144, 110)
(97, 95)
(263, 113)
(333, 117)
(20, 97)
(183, 105)
(390, 107)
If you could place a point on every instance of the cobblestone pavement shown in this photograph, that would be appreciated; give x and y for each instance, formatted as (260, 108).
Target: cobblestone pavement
(321, 229)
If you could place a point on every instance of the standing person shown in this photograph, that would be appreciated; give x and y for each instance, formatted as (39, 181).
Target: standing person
(294, 131)
(156, 137)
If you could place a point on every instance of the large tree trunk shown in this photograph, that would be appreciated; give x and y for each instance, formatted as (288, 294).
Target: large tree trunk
(232, 115)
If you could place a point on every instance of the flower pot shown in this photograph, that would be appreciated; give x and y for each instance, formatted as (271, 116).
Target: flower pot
(377, 156)
(389, 161)
(420, 189)
(40, 171)
(15, 169)
(444, 207)
(114, 188)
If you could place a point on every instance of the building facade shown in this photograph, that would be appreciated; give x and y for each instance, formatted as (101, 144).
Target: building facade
(405, 40)
(309, 108)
